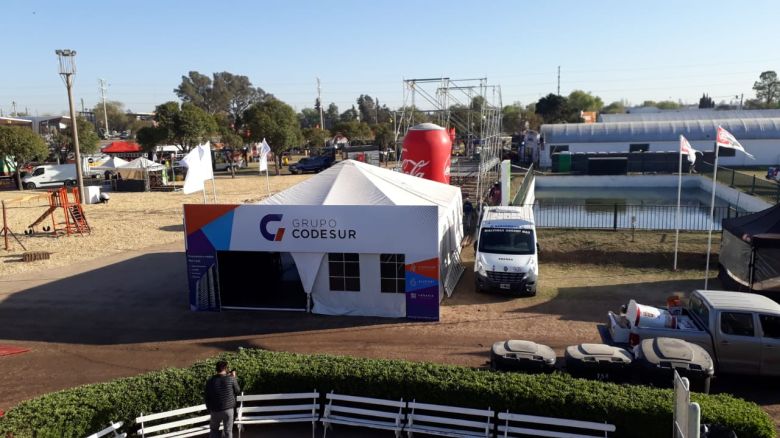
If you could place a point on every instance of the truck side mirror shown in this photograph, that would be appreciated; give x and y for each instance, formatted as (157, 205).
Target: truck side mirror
(538, 248)
(476, 244)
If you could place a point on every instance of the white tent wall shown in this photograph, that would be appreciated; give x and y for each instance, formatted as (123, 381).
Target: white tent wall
(355, 183)
(330, 302)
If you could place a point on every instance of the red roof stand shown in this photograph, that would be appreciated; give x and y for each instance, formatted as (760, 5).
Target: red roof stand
(121, 147)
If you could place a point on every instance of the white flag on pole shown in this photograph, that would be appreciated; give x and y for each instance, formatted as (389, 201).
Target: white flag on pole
(264, 150)
(726, 140)
(687, 149)
(198, 163)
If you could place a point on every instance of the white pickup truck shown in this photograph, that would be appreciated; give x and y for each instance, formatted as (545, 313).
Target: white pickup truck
(740, 331)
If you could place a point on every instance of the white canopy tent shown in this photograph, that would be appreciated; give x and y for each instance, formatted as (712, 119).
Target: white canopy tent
(138, 168)
(111, 163)
(354, 183)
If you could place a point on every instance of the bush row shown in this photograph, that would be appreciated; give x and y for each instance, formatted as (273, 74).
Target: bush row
(637, 411)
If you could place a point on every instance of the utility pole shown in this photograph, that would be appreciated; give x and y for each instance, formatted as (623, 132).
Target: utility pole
(319, 100)
(82, 107)
(103, 88)
(67, 60)
(559, 80)
(13, 104)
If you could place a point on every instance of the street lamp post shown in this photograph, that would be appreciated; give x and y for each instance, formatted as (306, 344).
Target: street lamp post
(67, 59)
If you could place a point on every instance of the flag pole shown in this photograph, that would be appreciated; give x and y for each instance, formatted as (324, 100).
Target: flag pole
(204, 194)
(679, 193)
(267, 182)
(213, 188)
(712, 216)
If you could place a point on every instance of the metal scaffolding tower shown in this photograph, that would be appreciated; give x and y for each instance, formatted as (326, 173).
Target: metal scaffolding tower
(471, 106)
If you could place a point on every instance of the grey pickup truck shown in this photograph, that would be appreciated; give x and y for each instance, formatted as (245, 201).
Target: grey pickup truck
(740, 331)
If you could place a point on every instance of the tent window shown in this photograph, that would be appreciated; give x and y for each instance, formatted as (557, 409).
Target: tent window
(770, 324)
(392, 273)
(344, 272)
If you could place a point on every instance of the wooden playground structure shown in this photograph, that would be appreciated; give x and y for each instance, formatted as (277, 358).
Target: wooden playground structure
(67, 215)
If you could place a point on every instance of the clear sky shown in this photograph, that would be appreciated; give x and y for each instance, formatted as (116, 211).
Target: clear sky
(650, 50)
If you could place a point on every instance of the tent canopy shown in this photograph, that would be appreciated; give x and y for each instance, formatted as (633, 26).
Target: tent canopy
(111, 164)
(763, 222)
(750, 251)
(354, 183)
(137, 168)
(351, 182)
(122, 147)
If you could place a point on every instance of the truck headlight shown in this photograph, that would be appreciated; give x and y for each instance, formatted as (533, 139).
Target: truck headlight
(481, 269)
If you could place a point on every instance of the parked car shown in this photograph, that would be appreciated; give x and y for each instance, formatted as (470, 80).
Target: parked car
(506, 251)
(311, 164)
(49, 175)
(740, 331)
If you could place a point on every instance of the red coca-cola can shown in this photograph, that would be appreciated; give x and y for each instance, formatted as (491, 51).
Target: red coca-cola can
(426, 152)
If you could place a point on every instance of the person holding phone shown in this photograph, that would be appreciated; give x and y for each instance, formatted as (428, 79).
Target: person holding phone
(221, 392)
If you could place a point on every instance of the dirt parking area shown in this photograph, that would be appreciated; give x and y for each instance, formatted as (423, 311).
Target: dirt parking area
(123, 310)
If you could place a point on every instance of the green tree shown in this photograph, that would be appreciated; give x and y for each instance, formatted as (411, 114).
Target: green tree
(767, 88)
(225, 93)
(349, 115)
(277, 122)
(367, 108)
(584, 101)
(706, 101)
(617, 107)
(194, 126)
(331, 116)
(118, 120)
(384, 136)
(555, 109)
(355, 130)
(512, 118)
(309, 118)
(149, 137)
(21, 145)
(316, 137)
(89, 141)
(668, 105)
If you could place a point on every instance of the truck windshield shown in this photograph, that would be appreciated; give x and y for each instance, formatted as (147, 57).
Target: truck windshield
(506, 241)
(700, 310)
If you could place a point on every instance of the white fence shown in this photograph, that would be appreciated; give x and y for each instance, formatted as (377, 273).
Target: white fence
(687, 415)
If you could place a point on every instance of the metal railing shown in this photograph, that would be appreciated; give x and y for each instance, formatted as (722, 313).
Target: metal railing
(522, 191)
(627, 217)
(750, 184)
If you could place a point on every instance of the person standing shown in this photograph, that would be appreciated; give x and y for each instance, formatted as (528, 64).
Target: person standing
(221, 391)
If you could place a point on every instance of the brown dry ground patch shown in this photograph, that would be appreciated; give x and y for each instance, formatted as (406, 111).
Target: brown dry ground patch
(130, 221)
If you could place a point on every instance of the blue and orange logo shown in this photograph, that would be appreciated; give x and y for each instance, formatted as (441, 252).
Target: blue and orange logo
(264, 227)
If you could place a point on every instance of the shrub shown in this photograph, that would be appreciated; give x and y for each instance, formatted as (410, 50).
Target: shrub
(635, 410)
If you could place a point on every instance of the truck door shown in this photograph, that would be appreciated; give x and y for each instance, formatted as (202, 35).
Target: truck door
(770, 344)
(737, 346)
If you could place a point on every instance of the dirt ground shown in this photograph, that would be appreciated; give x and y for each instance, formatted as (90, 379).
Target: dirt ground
(129, 221)
(122, 309)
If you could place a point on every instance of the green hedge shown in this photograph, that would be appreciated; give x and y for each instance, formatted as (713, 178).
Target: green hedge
(635, 410)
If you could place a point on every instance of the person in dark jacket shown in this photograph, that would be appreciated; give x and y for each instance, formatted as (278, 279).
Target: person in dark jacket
(221, 391)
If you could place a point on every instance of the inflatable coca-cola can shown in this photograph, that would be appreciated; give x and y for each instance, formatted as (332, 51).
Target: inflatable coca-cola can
(426, 152)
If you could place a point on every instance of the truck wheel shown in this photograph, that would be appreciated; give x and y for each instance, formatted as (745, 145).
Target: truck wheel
(29, 186)
(532, 292)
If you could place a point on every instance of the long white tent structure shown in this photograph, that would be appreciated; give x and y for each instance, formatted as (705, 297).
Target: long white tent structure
(355, 239)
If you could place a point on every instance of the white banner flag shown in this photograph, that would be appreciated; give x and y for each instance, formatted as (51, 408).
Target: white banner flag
(264, 150)
(687, 149)
(726, 140)
(199, 170)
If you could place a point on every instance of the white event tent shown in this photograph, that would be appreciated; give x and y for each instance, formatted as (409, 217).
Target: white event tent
(352, 183)
(355, 239)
